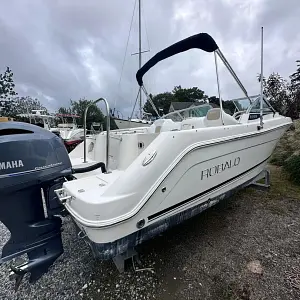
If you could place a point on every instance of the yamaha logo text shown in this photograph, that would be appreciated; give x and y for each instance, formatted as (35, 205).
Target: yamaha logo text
(220, 168)
(4, 165)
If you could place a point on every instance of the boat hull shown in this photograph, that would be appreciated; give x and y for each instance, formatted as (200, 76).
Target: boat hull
(124, 124)
(205, 173)
(110, 250)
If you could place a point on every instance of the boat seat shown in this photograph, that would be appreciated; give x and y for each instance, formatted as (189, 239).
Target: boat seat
(191, 123)
(162, 125)
(213, 118)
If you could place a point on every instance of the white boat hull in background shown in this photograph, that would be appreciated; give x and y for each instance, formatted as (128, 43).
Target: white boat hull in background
(123, 124)
(69, 133)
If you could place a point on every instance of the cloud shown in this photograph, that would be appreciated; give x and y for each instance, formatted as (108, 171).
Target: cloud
(67, 49)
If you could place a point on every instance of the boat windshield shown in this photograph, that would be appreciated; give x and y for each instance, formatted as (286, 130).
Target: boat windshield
(254, 109)
(242, 104)
(190, 112)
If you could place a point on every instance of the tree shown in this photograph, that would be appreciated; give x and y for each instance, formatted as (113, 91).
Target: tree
(24, 105)
(284, 96)
(94, 112)
(65, 110)
(295, 77)
(163, 101)
(7, 91)
(295, 91)
(277, 90)
(113, 124)
(28, 104)
(215, 100)
(193, 94)
(228, 106)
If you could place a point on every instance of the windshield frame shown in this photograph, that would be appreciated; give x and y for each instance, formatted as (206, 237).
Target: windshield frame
(195, 109)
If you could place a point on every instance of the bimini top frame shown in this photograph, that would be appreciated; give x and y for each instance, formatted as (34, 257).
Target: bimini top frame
(201, 41)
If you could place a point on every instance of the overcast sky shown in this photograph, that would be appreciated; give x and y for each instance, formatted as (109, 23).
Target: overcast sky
(69, 49)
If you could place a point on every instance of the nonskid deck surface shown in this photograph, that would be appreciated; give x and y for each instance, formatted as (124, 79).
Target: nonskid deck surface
(94, 182)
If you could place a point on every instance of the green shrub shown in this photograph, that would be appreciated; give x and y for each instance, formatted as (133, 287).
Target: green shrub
(292, 167)
(280, 155)
(287, 153)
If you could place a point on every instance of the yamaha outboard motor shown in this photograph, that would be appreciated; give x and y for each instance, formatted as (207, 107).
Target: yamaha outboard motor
(33, 163)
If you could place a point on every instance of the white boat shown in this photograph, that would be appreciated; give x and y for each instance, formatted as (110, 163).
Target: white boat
(68, 131)
(133, 123)
(39, 115)
(95, 145)
(143, 181)
(160, 175)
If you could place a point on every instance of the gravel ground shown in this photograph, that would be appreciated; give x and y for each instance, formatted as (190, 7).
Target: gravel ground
(65, 278)
(207, 257)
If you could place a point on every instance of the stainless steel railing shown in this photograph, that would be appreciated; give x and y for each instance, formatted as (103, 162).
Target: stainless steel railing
(107, 130)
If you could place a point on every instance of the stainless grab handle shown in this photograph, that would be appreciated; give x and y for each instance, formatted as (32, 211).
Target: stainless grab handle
(107, 130)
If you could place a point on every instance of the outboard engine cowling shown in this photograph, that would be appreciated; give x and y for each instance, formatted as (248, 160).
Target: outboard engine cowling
(33, 163)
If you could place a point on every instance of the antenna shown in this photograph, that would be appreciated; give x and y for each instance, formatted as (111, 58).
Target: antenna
(261, 77)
